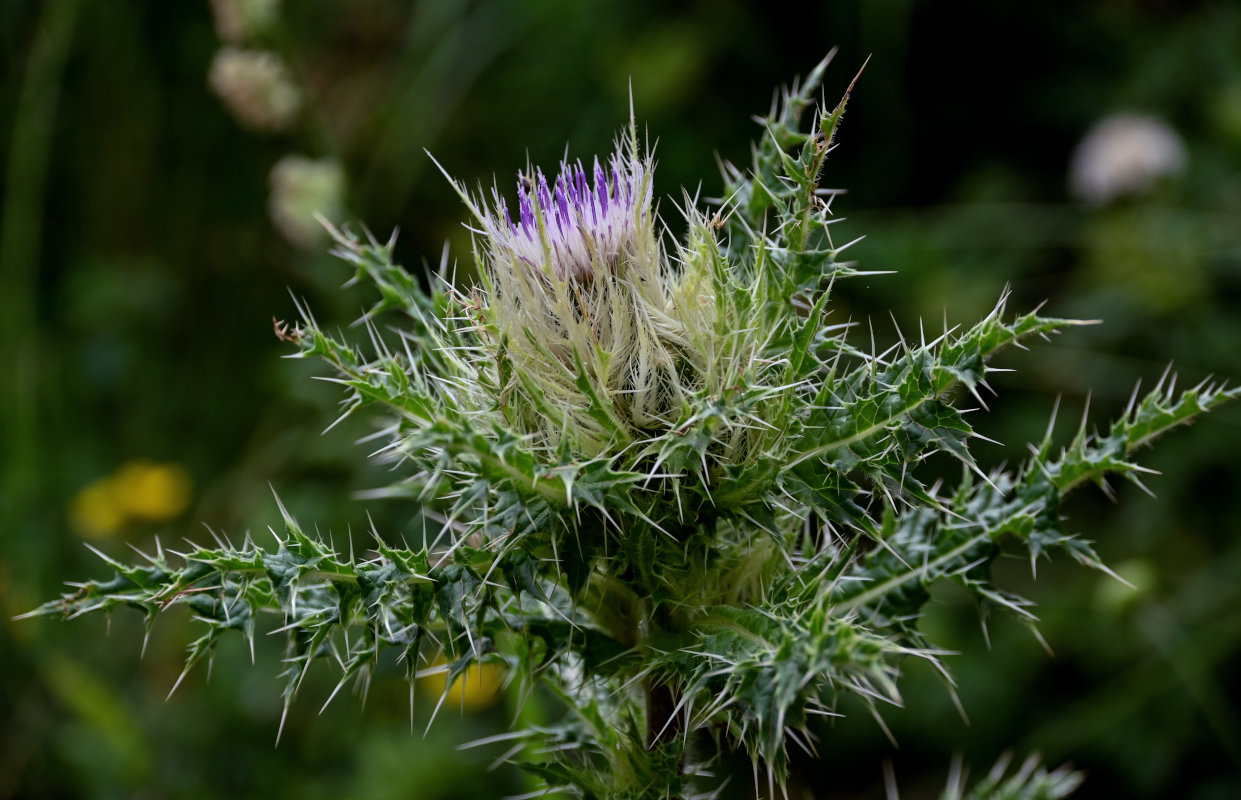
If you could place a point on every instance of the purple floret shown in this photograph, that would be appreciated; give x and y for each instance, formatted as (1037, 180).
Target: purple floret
(582, 224)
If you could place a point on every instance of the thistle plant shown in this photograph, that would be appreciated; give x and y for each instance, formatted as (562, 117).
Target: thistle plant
(670, 490)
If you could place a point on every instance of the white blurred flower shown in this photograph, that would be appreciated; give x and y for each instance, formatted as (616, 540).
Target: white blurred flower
(1124, 154)
(257, 88)
(301, 188)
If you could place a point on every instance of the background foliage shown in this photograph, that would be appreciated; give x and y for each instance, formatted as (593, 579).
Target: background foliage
(140, 269)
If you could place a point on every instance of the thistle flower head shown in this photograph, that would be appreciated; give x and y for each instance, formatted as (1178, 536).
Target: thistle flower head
(578, 297)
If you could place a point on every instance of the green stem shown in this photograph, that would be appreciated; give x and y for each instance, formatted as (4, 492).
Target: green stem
(664, 722)
(615, 607)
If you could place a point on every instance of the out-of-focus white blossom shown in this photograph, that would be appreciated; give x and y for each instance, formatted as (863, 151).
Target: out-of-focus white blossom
(1123, 155)
(257, 88)
(301, 188)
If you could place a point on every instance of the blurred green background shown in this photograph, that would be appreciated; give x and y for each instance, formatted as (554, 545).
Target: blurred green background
(160, 161)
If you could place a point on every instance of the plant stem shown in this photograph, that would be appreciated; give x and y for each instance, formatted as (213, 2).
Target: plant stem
(664, 723)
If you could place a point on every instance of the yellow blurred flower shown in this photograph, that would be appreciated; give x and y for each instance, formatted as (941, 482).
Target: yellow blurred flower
(475, 689)
(139, 491)
(93, 513)
(152, 492)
